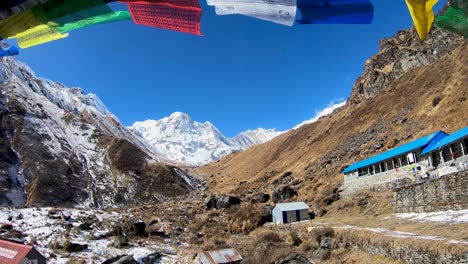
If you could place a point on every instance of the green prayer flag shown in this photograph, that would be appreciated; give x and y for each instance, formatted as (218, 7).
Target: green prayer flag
(454, 20)
(96, 20)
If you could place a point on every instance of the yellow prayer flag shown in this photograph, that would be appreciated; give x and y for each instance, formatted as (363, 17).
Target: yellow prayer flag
(422, 14)
(39, 35)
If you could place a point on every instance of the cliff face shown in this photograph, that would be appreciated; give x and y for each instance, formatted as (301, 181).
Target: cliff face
(60, 147)
(397, 56)
(421, 91)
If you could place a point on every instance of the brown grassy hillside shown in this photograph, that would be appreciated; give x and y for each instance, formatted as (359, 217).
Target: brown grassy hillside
(422, 100)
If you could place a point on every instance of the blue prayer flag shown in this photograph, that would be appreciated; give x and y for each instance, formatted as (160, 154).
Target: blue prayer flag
(335, 12)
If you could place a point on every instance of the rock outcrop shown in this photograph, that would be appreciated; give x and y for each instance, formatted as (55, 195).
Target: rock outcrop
(398, 55)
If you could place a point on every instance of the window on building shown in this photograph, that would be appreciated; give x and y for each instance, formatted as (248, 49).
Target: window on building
(446, 154)
(382, 167)
(377, 168)
(435, 159)
(411, 157)
(404, 161)
(363, 171)
(464, 146)
(456, 150)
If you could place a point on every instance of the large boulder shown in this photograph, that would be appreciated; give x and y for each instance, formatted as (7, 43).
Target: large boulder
(74, 247)
(324, 251)
(134, 227)
(226, 201)
(218, 202)
(260, 198)
(283, 193)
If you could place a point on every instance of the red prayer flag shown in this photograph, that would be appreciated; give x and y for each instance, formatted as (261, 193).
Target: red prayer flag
(179, 15)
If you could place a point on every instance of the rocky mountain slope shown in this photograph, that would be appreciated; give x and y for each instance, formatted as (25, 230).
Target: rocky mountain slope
(409, 89)
(60, 147)
(181, 139)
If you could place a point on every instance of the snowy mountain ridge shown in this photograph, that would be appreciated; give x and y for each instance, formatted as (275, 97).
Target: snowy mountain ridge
(63, 147)
(180, 138)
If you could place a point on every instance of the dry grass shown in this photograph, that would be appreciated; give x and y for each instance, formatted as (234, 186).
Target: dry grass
(341, 256)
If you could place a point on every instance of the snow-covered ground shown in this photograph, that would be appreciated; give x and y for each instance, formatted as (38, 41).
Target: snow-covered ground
(400, 234)
(40, 229)
(449, 217)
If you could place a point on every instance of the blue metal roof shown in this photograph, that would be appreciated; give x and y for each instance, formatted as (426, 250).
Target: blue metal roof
(403, 149)
(446, 140)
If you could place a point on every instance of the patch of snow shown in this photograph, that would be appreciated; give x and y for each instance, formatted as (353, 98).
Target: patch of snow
(400, 234)
(449, 217)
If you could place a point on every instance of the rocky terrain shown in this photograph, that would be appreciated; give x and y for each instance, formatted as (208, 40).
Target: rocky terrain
(183, 140)
(61, 150)
(60, 147)
(409, 89)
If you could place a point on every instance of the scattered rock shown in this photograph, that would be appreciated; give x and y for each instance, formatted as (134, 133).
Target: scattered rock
(86, 225)
(323, 253)
(55, 245)
(134, 228)
(226, 201)
(74, 247)
(295, 259)
(378, 146)
(122, 259)
(436, 101)
(260, 198)
(151, 258)
(120, 242)
(210, 202)
(6, 227)
(283, 193)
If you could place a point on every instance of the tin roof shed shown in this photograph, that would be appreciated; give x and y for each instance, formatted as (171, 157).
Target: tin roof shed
(292, 206)
(229, 255)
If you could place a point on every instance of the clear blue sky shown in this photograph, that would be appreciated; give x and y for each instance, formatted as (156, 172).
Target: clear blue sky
(244, 73)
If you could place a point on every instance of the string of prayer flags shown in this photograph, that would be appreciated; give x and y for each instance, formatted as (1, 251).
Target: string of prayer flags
(8, 51)
(50, 21)
(335, 12)
(422, 14)
(454, 20)
(179, 15)
(276, 11)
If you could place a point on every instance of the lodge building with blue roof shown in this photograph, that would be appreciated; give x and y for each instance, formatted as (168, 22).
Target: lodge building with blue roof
(433, 155)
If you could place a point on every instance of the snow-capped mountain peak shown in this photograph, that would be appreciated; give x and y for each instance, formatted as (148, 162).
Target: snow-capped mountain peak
(184, 140)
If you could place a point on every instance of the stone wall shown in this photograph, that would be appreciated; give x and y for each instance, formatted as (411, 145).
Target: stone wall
(411, 254)
(375, 182)
(449, 192)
